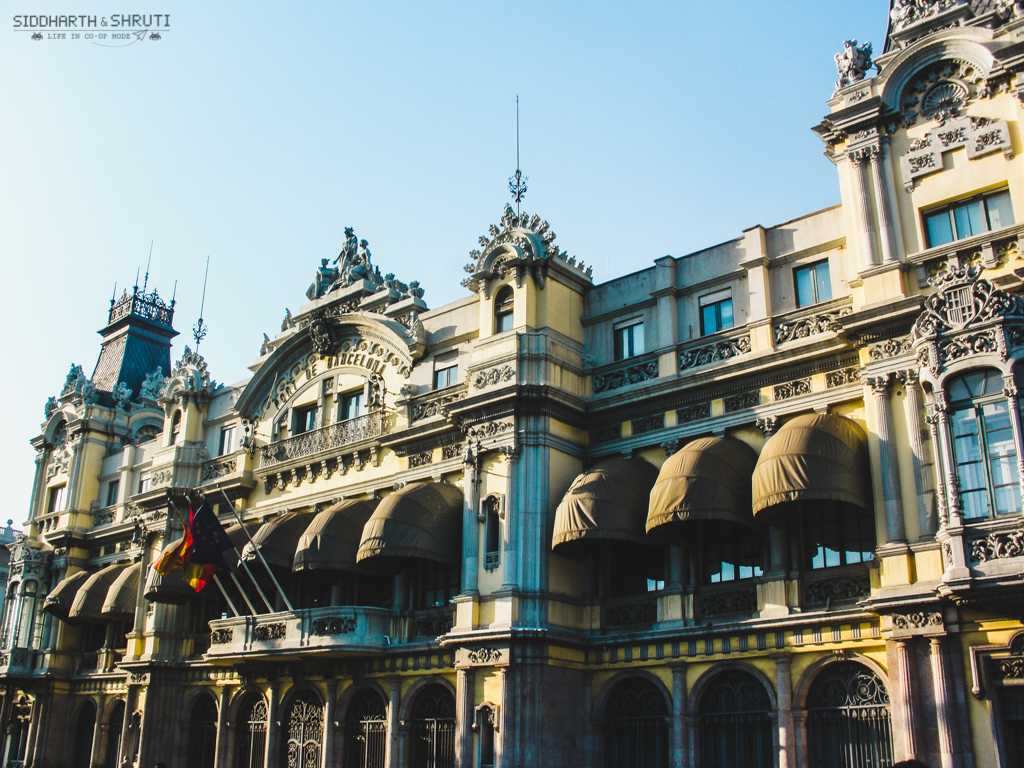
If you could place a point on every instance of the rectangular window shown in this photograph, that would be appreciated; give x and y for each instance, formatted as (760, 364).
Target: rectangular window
(306, 419)
(738, 556)
(227, 440)
(144, 482)
(629, 339)
(834, 536)
(964, 218)
(112, 488)
(715, 312)
(986, 460)
(445, 377)
(813, 284)
(58, 498)
(351, 406)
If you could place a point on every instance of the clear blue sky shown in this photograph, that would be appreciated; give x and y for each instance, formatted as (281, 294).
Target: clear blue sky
(255, 132)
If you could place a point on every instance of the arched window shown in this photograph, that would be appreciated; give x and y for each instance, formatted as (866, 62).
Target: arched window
(433, 728)
(27, 610)
(366, 731)
(983, 445)
(202, 733)
(1011, 725)
(175, 427)
(503, 306)
(252, 735)
(115, 727)
(304, 728)
(735, 724)
(17, 731)
(492, 533)
(848, 724)
(636, 728)
(85, 727)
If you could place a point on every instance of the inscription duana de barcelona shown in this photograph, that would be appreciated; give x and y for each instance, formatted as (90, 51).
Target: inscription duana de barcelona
(116, 31)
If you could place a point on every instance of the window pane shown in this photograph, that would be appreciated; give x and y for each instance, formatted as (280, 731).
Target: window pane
(822, 281)
(1000, 212)
(708, 321)
(726, 319)
(975, 504)
(939, 230)
(619, 334)
(804, 287)
(638, 338)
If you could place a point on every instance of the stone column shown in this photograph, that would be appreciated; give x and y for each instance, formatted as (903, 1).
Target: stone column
(857, 158)
(885, 221)
(888, 459)
(329, 731)
(954, 509)
(912, 411)
(273, 727)
(220, 759)
(130, 706)
(932, 419)
(944, 709)
(680, 732)
(1012, 395)
(513, 507)
(394, 701)
(470, 525)
(907, 735)
(464, 684)
(787, 727)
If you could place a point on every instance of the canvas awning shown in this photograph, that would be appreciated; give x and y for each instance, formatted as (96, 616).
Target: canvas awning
(331, 541)
(58, 603)
(708, 480)
(813, 457)
(422, 520)
(88, 603)
(277, 539)
(607, 502)
(119, 603)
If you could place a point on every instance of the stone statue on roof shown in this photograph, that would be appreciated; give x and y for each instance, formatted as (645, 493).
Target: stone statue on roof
(351, 265)
(853, 62)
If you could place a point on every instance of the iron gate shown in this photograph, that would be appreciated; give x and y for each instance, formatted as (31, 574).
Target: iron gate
(636, 727)
(433, 728)
(305, 726)
(848, 722)
(253, 739)
(366, 731)
(735, 725)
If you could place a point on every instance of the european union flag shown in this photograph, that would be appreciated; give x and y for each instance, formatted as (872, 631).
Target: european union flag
(208, 537)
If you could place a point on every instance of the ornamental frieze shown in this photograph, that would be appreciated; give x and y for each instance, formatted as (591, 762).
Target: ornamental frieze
(842, 377)
(792, 389)
(997, 546)
(343, 625)
(695, 412)
(498, 375)
(712, 353)
(436, 406)
(269, 631)
(631, 374)
(980, 137)
(890, 348)
(809, 326)
(917, 620)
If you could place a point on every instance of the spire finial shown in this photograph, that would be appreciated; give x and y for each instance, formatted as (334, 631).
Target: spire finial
(199, 329)
(145, 281)
(517, 183)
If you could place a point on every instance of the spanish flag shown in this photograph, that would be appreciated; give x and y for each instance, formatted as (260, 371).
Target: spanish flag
(176, 558)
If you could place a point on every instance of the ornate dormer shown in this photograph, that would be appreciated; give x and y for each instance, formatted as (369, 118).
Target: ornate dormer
(521, 245)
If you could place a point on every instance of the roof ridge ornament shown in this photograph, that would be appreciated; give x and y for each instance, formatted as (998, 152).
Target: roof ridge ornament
(517, 183)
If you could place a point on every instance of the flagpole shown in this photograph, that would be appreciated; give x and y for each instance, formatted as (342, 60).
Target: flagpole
(244, 596)
(245, 565)
(224, 592)
(259, 554)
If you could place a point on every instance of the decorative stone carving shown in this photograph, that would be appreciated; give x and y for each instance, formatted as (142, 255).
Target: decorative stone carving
(193, 372)
(491, 561)
(842, 377)
(852, 63)
(733, 601)
(435, 406)
(274, 631)
(919, 620)
(342, 625)
(742, 401)
(792, 389)
(484, 656)
(979, 136)
(351, 265)
(767, 425)
(907, 12)
(432, 626)
(1013, 669)
(997, 546)
(633, 374)
(694, 412)
(809, 326)
(822, 591)
(648, 424)
(329, 438)
(639, 612)
(217, 469)
(50, 407)
(890, 348)
(712, 353)
(606, 434)
(421, 459)
(122, 393)
(452, 451)
(493, 376)
(221, 636)
(320, 335)
(76, 383)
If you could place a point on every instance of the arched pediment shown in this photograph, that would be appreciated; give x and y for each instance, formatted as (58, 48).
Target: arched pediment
(359, 341)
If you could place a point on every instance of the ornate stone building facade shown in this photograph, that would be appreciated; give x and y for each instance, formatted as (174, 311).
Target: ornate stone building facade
(757, 505)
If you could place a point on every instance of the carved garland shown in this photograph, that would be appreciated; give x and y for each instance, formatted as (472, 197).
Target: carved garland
(633, 374)
(487, 378)
(809, 326)
(712, 353)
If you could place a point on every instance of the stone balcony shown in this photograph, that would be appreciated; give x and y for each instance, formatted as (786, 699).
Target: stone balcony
(335, 628)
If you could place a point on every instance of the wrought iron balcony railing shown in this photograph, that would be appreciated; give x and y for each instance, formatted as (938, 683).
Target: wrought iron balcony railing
(148, 306)
(325, 439)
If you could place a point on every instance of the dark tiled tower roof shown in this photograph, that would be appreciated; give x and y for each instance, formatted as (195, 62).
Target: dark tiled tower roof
(136, 341)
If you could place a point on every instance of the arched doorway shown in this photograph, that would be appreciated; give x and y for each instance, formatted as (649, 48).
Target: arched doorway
(304, 731)
(85, 728)
(433, 728)
(17, 730)
(735, 722)
(636, 727)
(202, 733)
(115, 727)
(252, 733)
(848, 721)
(366, 730)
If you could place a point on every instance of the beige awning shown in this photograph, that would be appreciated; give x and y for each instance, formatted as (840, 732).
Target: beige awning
(88, 604)
(708, 480)
(607, 502)
(119, 603)
(422, 520)
(58, 603)
(813, 457)
(331, 541)
(277, 539)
